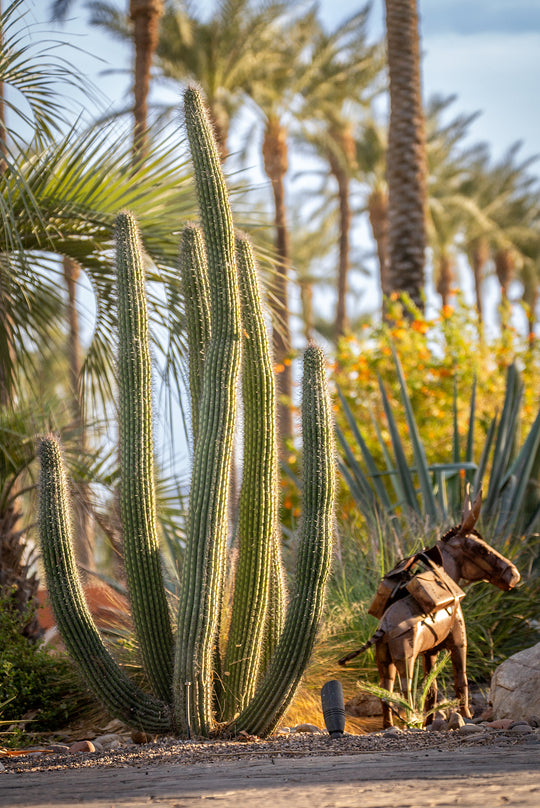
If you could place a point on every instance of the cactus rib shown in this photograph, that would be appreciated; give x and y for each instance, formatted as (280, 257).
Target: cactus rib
(196, 294)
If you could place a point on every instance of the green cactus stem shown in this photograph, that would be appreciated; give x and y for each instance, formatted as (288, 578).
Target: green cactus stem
(266, 654)
(141, 548)
(288, 663)
(257, 522)
(110, 684)
(196, 294)
(202, 582)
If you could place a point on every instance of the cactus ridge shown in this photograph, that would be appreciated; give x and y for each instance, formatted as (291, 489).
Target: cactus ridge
(196, 292)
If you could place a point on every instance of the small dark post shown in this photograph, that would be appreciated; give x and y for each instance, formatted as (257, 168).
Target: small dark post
(333, 707)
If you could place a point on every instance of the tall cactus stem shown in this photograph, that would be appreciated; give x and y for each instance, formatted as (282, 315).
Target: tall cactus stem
(277, 603)
(200, 595)
(257, 521)
(288, 663)
(118, 693)
(196, 295)
(141, 548)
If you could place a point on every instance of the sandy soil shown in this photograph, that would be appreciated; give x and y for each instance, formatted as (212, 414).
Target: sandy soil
(398, 769)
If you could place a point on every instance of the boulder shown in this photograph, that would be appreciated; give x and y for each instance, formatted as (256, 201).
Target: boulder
(515, 686)
(362, 705)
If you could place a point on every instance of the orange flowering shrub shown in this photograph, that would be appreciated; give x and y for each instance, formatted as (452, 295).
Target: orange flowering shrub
(441, 358)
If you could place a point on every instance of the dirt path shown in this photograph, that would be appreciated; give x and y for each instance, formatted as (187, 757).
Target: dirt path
(492, 776)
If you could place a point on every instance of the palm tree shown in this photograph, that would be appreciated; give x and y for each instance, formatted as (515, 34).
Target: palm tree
(240, 48)
(144, 17)
(347, 82)
(59, 197)
(450, 207)
(505, 230)
(223, 54)
(370, 155)
(406, 161)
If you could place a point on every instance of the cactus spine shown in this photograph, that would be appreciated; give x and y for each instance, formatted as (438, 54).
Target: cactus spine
(264, 655)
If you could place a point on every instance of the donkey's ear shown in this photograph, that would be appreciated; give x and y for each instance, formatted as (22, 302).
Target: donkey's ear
(471, 512)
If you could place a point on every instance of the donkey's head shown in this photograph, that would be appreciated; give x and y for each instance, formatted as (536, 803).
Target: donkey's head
(475, 560)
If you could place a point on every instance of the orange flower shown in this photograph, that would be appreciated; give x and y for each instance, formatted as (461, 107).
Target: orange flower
(279, 368)
(447, 311)
(420, 325)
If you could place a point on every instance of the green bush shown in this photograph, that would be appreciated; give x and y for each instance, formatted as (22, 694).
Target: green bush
(36, 684)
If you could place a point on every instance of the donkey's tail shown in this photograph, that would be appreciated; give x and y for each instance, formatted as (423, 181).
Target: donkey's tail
(372, 640)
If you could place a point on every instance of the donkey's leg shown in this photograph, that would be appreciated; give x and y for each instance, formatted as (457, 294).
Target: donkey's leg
(430, 658)
(405, 668)
(387, 675)
(456, 643)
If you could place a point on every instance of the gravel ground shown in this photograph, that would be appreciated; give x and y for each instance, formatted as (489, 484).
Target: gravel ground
(290, 745)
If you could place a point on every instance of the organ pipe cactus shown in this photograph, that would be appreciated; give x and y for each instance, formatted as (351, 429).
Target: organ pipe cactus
(202, 683)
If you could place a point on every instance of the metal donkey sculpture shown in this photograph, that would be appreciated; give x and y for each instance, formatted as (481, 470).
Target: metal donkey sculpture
(419, 606)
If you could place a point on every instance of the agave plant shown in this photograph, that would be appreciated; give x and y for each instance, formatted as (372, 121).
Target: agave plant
(412, 711)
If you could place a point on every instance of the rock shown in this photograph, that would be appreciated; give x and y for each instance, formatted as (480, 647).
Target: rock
(307, 728)
(363, 705)
(501, 723)
(520, 728)
(2, 767)
(81, 746)
(109, 741)
(471, 729)
(515, 686)
(139, 737)
(392, 731)
(59, 748)
(437, 725)
(455, 721)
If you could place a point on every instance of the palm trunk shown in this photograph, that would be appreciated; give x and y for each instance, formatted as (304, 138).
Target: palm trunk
(530, 298)
(306, 299)
(341, 323)
(84, 539)
(378, 219)
(478, 256)
(145, 16)
(406, 162)
(445, 277)
(275, 166)
(505, 268)
(220, 125)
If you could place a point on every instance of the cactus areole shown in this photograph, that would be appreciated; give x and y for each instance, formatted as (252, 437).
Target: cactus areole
(201, 683)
